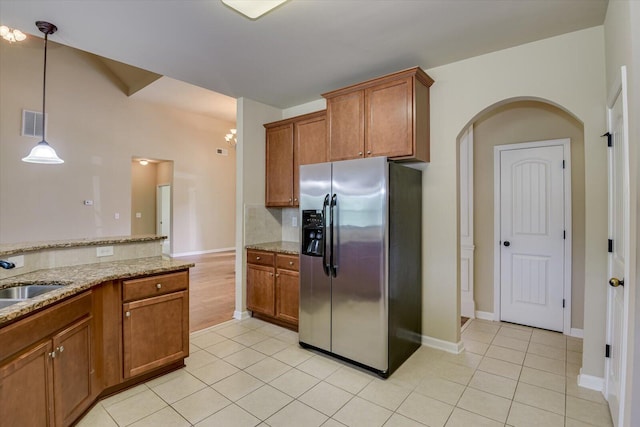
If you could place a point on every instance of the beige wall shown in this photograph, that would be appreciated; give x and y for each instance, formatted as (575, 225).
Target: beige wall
(622, 42)
(143, 198)
(97, 130)
(567, 70)
(515, 122)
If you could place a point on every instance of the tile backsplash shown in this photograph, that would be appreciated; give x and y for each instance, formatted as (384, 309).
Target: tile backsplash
(270, 224)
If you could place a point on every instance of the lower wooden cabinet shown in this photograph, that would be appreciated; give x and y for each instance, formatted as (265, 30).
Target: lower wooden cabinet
(56, 362)
(50, 381)
(273, 287)
(155, 329)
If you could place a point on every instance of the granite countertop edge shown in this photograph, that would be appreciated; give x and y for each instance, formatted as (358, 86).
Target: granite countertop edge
(283, 247)
(18, 248)
(79, 278)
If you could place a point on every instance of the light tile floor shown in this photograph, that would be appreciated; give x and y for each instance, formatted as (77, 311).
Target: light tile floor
(249, 373)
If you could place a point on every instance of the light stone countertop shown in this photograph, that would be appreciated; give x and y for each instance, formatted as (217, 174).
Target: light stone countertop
(79, 278)
(17, 248)
(291, 248)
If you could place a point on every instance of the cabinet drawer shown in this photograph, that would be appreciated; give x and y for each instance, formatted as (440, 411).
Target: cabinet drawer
(154, 286)
(287, 262)
(260, 257)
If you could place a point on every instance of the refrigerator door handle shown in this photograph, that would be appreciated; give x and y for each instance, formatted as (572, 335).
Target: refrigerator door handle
(325, 264)
(333, 266)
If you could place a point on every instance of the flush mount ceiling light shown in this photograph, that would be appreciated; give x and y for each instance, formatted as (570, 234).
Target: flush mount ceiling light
(43, 153)
(11, 34)
(144, 162)
(253, 9)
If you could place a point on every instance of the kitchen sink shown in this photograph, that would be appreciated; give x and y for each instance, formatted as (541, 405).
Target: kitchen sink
(7, 302)
(25, 292)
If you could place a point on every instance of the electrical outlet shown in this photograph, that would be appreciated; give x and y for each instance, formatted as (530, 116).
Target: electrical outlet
(104, 251)
(116, 215)
(138, 214)
(88, 202)
(294, 221)
(17, 260)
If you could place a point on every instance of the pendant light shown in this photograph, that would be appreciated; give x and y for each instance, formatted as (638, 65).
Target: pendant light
(43, 153)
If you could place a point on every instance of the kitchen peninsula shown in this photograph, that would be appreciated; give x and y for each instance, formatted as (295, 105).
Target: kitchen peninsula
(120, 317)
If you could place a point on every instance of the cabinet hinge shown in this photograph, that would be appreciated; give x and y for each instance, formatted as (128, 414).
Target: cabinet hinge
(607, 350)
(563, 302)
(610, 246)
(609, 139)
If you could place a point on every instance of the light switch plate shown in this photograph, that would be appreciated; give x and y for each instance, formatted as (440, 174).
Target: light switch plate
(104, 251)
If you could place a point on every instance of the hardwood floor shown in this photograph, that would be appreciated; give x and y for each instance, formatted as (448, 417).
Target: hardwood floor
(211, 289)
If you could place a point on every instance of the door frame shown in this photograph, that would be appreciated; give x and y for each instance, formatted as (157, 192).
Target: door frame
(566, 145)
(159, 210)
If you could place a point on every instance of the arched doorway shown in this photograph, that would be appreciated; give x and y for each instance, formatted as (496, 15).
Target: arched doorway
(509, 122)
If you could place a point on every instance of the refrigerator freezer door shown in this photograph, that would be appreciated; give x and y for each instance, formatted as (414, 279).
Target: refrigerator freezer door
(315, 285)
(360, 288)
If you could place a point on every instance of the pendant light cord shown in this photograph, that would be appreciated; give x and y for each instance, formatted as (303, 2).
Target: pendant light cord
(44, 83)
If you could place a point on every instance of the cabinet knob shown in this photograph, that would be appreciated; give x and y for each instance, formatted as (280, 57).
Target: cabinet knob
(368, 151)
(289, 199)
(52, 354)
(277, 274)
(159, 285)
(295, 199)
(257, 257)
(270, 274)
(359, 153)
(127, 314)
(290, 262)
(60, 349)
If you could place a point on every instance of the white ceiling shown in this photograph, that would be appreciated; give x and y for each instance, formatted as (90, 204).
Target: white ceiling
(303, 48)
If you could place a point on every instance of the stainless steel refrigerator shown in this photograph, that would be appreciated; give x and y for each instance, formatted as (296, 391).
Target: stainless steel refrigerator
(360, 261)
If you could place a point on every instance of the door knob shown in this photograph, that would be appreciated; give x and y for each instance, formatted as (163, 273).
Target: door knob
(507, 243)
(615, 282)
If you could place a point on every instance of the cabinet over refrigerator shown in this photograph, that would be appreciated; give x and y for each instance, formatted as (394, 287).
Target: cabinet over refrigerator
(360, 261)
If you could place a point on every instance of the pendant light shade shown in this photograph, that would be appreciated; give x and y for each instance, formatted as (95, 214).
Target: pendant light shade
(43, 153)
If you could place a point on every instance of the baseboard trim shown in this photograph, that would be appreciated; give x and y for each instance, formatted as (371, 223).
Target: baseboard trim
(577, 333)
(485, 315)
(448, 346)
(209, 251)
(591, 382)
(241, 315)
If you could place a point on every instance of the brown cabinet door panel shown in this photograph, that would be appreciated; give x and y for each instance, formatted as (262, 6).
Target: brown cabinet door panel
(311, 147)
(260, 289)
(26, 388)
(389, 110)
(288, 295)
(72, 371)
(345, 126)
(279, 166)
(155, 332)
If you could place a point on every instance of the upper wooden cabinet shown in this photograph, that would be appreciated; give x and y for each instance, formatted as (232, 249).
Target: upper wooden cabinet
(387, 116)
(290, 143)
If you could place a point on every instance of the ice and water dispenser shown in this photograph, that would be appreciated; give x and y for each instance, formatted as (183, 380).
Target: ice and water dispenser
(312, 233)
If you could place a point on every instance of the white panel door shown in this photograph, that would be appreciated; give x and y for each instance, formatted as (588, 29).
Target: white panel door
(532, 237)
(618, 232)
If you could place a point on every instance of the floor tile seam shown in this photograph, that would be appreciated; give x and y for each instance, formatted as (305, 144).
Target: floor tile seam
(226, 355)
(493, 393)
(605, 404)
(564, 413)
(105, 410)
(486, 416)
(144, 416)
(539, 409)
(169, 403)
(123, 391)
(290, 403)
(170, 406)
(338, 410)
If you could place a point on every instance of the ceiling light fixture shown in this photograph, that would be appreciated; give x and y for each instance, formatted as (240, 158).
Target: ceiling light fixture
(11, 34)
(231, 138)
(144, 162)
(43, 153)
(253, 9)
